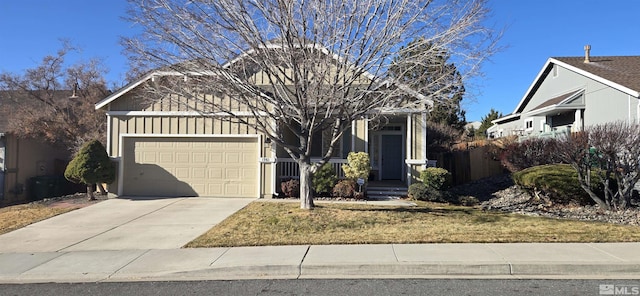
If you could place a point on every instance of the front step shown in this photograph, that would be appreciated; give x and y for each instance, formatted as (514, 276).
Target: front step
(386, 192)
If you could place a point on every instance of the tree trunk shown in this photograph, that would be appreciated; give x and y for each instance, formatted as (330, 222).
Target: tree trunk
(306, 195)
(90, 192)
(101, 189)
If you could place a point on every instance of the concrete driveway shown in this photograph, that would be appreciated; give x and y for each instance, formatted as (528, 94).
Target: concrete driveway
(124, 224)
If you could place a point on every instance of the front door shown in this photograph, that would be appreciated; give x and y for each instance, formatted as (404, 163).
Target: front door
(391, 154)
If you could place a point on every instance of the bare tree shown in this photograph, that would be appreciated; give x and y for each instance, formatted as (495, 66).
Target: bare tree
(610, 151)
(321, 63)
(55, 102)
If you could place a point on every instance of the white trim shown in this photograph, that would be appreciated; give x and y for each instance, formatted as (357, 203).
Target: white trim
(366, 134)
(526, 121)
(109, 150)
(547, 109)
(580, 91)
(578, 71)
(403, 134)
(526, 94)
(259, 170)
(120, 176)
(513, 115)
(638, 112)
(629, 102)
(424, 136)
(416, 161)
(409, 138)
(274, 178)
(184, 113)
(122, 91)
(353, 135)
(597, 78)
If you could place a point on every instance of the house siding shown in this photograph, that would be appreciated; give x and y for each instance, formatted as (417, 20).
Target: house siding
(175, 125)
(25, 159)
(602, 103)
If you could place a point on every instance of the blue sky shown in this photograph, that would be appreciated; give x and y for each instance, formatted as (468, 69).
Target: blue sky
(534, 31)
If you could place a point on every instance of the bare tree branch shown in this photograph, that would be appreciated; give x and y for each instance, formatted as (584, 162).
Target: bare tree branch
(309, 66)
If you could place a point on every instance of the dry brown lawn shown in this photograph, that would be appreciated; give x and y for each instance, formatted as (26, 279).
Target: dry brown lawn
(283, 223)
(14, 217)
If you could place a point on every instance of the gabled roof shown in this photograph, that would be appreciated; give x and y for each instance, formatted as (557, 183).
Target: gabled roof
(558, 103)
(270, 45)
(619, 72)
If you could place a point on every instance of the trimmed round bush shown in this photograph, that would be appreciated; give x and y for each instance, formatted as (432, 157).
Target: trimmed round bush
(558, 182)
(436, 178)
(420, 191)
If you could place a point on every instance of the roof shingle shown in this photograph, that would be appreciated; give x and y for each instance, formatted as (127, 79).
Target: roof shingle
(623, 70)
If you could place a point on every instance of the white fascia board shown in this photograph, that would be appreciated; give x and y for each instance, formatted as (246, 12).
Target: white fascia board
(122, 91)
(552, 108)
(190, 136)
(497, 121)
(136, 83)
(323, 49)
(597, 78)
(184, 113)
(538, 77)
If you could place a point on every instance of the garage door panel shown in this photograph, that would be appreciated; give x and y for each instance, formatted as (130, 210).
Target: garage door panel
(191, 166)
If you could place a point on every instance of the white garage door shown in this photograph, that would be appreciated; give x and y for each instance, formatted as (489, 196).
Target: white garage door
(217, 167)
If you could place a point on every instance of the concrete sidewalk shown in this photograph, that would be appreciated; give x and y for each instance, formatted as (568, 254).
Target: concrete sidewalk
(553, 260)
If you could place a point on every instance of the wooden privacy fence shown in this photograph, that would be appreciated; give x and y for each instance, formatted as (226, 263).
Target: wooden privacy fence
(469, 164)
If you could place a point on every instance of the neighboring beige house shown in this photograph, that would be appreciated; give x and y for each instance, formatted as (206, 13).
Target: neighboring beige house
(23, 159)
(571, 93)
(164, 151)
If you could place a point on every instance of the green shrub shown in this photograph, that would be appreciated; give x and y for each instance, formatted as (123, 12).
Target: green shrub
(558, 182)
(91, 166)
(345, 189)
(420, 191)
(324, 179)
(358, 166)
(436, 178)
(290, 188)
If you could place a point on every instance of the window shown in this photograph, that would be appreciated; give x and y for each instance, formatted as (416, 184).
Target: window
(321, 142)
(528, 124)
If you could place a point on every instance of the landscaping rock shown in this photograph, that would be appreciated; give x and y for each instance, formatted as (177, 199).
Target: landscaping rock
(513, 200)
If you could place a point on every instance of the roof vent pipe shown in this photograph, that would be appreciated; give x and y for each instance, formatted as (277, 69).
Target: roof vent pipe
(587, 49)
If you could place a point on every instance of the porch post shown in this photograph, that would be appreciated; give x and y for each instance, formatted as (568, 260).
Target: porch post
(353, 136)
(408, 156)
(366, 134)
(424, 139)
(577, 123)
(274, 164)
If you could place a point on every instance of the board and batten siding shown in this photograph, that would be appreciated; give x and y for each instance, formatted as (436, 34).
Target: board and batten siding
(172, 125)
(185, 125)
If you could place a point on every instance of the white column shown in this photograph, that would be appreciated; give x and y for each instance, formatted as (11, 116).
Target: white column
(366, 134)
(424, 139)
(274, 162)
(577, 123)
(409, 139)
(353, 135)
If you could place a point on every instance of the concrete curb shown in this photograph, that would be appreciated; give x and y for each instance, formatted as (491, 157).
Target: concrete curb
(598, 261)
